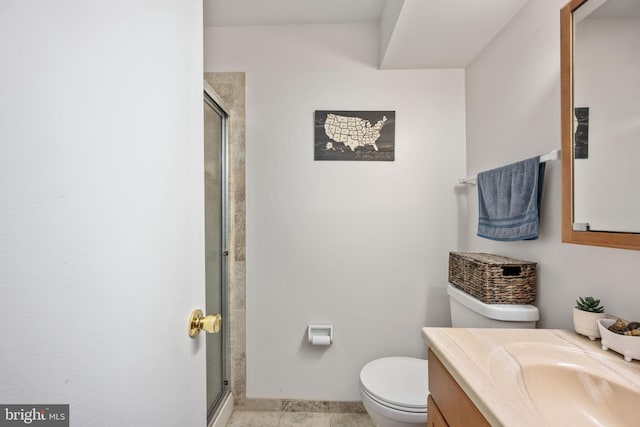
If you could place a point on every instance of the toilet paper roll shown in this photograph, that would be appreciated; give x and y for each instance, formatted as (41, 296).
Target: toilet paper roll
(320, 340)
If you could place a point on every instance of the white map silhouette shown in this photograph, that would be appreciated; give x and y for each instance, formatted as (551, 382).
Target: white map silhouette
(353, 131)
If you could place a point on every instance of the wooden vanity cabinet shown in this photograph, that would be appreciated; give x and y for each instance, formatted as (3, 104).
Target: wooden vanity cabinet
(448, 405)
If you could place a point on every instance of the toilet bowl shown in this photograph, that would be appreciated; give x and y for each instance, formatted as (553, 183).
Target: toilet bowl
(394, 390)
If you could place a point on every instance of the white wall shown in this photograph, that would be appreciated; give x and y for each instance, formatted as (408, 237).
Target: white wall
(513, 112)
(362, 245)
(101, 230)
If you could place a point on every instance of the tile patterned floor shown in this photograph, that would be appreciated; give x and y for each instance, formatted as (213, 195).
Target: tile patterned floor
(297, 419)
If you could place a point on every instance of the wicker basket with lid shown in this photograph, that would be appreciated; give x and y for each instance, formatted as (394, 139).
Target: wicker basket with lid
(494, 279)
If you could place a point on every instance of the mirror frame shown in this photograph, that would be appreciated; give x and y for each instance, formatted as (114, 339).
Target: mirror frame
(596, 238)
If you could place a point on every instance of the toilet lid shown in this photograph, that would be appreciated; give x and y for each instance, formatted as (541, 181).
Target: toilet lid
(400, 381)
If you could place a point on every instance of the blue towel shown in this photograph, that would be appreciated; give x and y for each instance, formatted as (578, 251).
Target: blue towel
(509, 201)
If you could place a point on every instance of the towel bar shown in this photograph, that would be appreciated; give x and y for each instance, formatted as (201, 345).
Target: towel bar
(553, 155)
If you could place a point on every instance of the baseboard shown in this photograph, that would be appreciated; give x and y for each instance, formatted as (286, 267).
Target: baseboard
(295, 405)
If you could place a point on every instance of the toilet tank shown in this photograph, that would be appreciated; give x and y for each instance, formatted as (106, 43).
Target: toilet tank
(470, 312)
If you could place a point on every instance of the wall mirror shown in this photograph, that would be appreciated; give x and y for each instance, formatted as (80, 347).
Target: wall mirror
(600, 78)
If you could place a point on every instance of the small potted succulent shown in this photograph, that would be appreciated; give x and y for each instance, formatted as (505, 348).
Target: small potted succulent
(586, 314)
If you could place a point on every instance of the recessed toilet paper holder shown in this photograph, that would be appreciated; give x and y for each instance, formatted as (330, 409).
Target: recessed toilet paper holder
(320, 334)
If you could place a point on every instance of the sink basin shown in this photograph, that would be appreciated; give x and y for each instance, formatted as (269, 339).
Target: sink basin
(567, 386)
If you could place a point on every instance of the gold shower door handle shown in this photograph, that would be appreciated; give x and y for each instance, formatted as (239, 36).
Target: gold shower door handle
(199, 322)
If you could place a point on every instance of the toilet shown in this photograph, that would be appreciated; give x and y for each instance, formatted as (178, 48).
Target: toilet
(394, 390)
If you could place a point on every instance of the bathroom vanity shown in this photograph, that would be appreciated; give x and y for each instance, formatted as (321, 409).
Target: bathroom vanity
(527, 377)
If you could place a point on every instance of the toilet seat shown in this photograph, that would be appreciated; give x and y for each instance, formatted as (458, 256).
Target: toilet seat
(393, 407)
(399, 383)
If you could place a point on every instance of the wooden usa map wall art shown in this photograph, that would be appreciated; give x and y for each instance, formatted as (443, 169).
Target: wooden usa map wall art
(354, 135)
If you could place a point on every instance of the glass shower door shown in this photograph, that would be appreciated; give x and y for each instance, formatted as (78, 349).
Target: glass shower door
(215, 140)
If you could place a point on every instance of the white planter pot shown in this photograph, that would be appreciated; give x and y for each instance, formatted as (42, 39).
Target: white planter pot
(586, 323)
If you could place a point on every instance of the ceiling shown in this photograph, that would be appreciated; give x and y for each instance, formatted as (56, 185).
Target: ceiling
(414, 34)
(283, 12)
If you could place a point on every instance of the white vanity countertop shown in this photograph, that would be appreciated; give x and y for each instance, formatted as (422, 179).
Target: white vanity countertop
(477, 359)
